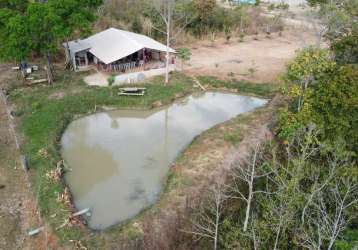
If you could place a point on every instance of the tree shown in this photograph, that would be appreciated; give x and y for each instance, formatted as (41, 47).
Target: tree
(345, 48)
(40, 26)
(302, 75)
(171, 16)
(322, 93)
(75, 17)
(46, 31)
(228, 33)
(17, 5)
(14, 35)
(328, 215)
(209, 217)
(308, 65)
(334, 96)
(247, 175)
(337, 18)
(184, 54)
(204, 9)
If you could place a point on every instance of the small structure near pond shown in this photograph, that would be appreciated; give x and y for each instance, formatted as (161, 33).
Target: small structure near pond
(117, 51)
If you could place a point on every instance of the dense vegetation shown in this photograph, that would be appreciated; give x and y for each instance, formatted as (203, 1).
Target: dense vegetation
(194, 19)
(31, 29)
(38, 27)
(300, 190)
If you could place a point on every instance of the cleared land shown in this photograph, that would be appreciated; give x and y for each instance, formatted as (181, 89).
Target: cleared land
(267, 57)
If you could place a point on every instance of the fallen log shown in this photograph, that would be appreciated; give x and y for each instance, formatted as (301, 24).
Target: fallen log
(199, 84)
(37, 81)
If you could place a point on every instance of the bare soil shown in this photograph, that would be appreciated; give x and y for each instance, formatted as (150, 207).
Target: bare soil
(267, 56)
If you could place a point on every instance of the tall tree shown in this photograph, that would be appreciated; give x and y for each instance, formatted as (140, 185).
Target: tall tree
(173, 15)
(14, 35)
(245, 176)
(18, 5)
(40, 26)
(209, 218)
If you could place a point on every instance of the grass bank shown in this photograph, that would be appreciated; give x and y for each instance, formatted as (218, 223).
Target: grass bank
(43, 112)
(257, 89)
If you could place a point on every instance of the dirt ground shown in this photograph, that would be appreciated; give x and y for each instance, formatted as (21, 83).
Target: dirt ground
(18, 212)
(266, 57)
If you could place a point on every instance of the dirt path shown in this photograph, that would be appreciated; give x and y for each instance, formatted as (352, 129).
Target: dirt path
(17, 208)
(267, 57)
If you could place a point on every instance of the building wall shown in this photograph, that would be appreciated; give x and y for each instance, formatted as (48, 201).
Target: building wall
(136, 77)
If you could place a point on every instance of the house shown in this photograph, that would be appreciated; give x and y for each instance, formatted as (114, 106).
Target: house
(117, 51)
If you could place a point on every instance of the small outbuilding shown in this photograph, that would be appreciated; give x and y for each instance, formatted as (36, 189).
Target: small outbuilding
(114, 50)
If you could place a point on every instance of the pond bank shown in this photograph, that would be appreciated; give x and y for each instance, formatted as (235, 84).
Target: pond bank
(43, 114)
(128, 153)
(207, 159)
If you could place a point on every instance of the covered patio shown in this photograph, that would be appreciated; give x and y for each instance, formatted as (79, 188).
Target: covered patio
(117, 51)
(100, 78)
(145, 59)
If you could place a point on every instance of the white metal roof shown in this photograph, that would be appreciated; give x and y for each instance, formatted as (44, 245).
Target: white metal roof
(113, 44)
(77, 45)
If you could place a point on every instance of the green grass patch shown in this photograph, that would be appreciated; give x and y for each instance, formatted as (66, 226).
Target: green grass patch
(258, 89)
(233, 138)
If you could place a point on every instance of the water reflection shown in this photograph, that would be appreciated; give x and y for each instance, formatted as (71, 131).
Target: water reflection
(120, 159)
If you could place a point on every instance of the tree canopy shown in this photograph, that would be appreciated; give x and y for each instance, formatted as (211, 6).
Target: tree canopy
(39, 27)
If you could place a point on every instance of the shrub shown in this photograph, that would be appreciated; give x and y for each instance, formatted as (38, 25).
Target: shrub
(111, 80)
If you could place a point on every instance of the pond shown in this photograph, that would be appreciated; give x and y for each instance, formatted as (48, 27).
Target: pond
(119, 159)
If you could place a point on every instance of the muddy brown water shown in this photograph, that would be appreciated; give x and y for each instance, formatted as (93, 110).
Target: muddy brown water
(119, 159)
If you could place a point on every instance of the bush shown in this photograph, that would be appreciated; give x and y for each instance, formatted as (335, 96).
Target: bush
(111, 80)
(345, 48)
(322, 93)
